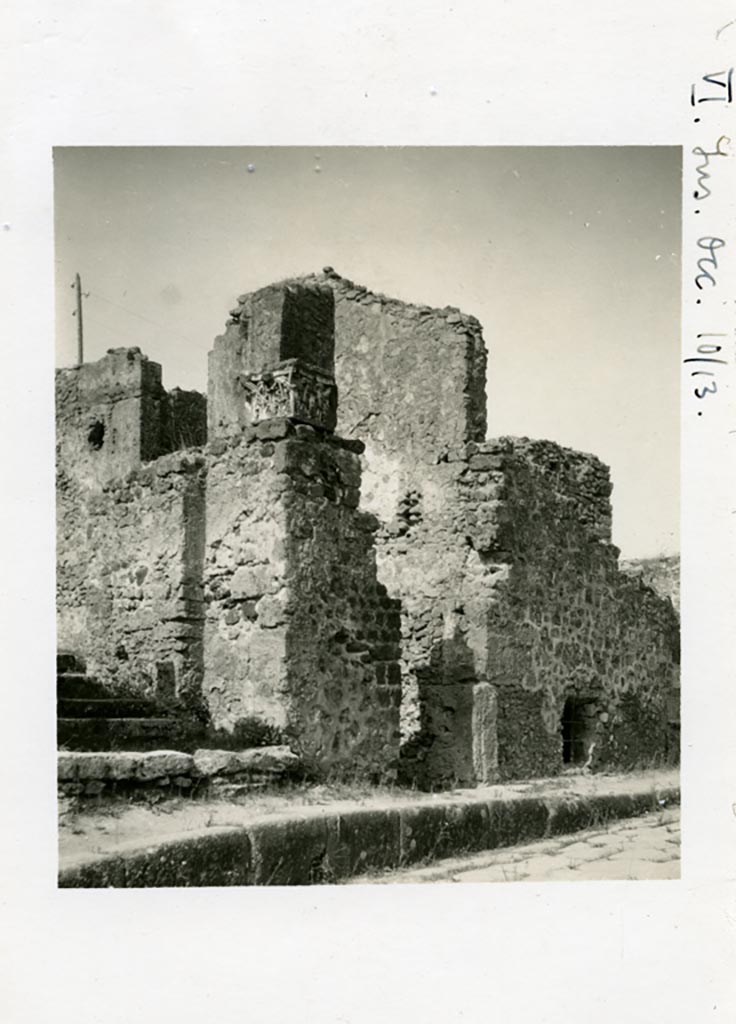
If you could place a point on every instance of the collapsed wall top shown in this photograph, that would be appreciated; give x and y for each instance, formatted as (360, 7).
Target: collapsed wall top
(276, 358)
(114, 414)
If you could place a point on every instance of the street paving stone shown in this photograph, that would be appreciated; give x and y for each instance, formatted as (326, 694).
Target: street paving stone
(647, 847)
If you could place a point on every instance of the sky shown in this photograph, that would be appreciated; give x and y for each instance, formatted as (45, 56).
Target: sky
(569, 257)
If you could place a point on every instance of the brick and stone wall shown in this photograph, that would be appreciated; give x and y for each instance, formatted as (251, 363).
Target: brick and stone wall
(114, 414)
(568, 623)
(244, 580)
(238, 581)
(114, 417)
(344, 636)
(513, 602)
(411, 383)
(130, 579)
(333, 592)
(276, 358)
(661, 573)
(299, 633)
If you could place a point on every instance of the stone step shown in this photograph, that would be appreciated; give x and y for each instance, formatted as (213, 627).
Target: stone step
(106, 707)
(67, 661)
(77, 685)
(120, 733)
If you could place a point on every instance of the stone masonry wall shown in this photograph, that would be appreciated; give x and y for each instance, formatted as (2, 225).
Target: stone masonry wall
(299, 635)
(114, 414)
(108, 417)
(472, 583)
(286, 323)
(445, 589)
(344, 637)
(662, 574)
(244, 584)
(411, 384)
(495, 634)
(512, 602)
(132, 571)
(568, 622)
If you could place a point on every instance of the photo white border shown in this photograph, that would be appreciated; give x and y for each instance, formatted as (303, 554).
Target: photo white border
(371, 73)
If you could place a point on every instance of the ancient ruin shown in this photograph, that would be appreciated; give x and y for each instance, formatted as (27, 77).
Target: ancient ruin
(327, 550)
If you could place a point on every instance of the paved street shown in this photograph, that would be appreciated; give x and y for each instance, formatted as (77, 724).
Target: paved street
(647, 847)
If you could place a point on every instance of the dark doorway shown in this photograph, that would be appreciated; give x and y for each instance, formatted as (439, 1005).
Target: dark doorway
(577, 728)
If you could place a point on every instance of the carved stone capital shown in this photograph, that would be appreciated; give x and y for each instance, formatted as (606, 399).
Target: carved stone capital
(293, 389)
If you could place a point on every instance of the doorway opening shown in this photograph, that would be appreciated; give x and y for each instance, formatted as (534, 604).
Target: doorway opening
(577, 727)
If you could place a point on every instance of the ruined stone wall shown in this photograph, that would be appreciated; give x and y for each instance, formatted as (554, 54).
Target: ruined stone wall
(445, 589)
(411, 385)
(567, 622)
(662, 574)
(344, 638)
(132, 566)
(512, 602)
(185, 420)
(299, 633)
(72, 563)
(113, 416)
(108, 416)
(472, 582)
(275, 332)
(244, 584)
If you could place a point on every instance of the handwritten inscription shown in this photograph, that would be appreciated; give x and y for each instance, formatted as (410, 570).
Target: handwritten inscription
(711, 349)
(707, 352)
(703, 191)
(707, 265)
(716, 87)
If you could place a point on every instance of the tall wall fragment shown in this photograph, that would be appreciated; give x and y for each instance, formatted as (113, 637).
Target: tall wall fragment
(299, 632)
(125, 542)
(462, 591)
(513, 607)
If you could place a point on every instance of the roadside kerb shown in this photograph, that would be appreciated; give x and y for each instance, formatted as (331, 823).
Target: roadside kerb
(329, 847)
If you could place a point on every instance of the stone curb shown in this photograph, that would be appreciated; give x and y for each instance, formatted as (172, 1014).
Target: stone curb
(93, 773)
(333, 847)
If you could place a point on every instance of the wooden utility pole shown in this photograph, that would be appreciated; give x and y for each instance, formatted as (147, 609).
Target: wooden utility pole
(80, 333)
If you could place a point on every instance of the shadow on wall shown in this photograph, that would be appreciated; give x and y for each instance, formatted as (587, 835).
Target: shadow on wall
(440, 752)
(472, 732)
(191, 617)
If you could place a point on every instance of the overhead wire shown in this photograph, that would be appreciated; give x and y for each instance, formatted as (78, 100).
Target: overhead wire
(140, 316)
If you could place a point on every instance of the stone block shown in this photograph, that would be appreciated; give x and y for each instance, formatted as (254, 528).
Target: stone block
(272, 610)
(161, 763)
(215, 762)
(485, 462)
(443, 830)
(271, 760)
(421, 833)
(467, 828)
(250, 582)
(273, 429)
(291, 852)
(83, 766)
(66, 767)
(571, 815)
(123, 765)
(517, 821)
(485, 733)
(219, 858)
(364, 841)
